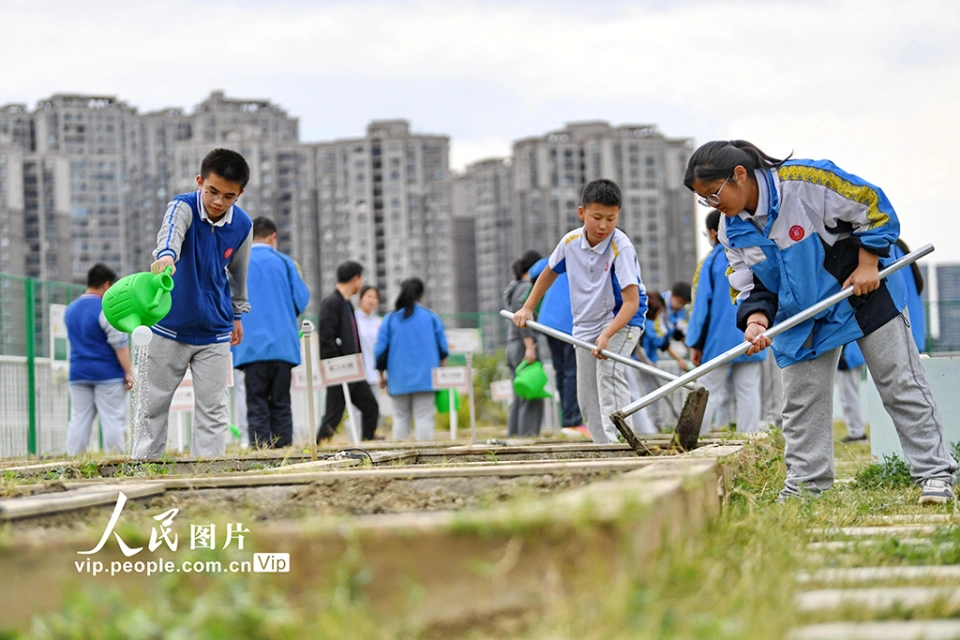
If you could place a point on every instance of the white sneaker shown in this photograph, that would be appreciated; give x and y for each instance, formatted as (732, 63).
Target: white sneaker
(935, 491)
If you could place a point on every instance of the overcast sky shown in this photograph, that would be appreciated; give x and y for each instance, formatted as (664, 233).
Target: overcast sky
(872, 85)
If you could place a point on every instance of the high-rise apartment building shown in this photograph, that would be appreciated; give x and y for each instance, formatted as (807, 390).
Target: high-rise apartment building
(47, 226)
(86, 179)
(384, 201)
(93, 133)
(150, 161)
(12, 245)
(657, 212)
(485, 194)
(948, 306)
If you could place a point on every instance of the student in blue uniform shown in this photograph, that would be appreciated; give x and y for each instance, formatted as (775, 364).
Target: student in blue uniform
(100, 370)
(795, 232)
(712, 331)
(206, 238)
(410, 345)
(272, 348)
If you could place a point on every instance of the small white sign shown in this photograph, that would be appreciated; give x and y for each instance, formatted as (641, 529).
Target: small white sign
(343, 369)
(463, 340)
(501, 390)
(450, 378)
(59, 345)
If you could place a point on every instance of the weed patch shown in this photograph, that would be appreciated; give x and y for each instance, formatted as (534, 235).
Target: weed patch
(892, 473)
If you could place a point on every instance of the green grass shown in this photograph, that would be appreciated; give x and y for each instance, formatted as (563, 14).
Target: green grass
(224, 607)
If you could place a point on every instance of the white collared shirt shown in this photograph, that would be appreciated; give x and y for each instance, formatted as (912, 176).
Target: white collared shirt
(367, 328)
(225, 219)
(597, 275)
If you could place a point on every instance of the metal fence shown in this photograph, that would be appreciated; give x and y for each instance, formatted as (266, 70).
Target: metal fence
(32, 406)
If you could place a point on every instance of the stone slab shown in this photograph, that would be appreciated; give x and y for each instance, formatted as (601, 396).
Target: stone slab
(889, 630)
(878, 599)
(872, 532)
(878, 574)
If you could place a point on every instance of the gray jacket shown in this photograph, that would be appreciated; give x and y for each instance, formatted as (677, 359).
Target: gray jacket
(513, 298)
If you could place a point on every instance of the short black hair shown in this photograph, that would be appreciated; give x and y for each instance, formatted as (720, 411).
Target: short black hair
(602, 191)
(369, 287)
(348, 270)
(713, 221)
(227, 164)
(99, 275)
(681, 290)
(263, 227)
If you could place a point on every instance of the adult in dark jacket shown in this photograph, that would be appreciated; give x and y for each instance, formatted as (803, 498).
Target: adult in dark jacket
(339, 337)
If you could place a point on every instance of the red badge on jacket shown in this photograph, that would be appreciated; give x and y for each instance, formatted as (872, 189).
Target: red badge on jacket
(796, 233)
(229, 251)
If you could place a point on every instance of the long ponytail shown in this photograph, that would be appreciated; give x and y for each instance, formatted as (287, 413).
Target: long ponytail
(411, 290)
(716, 161)
(914, 267)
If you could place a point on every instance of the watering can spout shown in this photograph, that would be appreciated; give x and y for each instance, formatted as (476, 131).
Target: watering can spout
(140, 299)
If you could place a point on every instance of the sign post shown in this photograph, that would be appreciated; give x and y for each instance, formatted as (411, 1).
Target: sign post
(343, 371)
(467, 342)
(451, 378)
(306, 328)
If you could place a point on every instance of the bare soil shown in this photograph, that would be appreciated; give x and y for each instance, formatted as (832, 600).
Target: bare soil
(321, 498)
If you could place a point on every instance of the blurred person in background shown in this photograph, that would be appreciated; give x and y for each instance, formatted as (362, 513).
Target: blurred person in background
(410, 344)
(100, 369)
(525, 415)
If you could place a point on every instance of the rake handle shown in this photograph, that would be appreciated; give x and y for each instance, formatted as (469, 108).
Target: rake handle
(583, 344)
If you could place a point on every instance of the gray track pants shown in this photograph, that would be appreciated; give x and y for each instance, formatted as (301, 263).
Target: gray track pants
(894, 363)
(110, 401)
(739, 383)
(602, 385)
(167, 362)
(416, 407)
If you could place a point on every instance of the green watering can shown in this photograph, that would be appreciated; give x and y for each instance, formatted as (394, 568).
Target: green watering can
(530, 381)
(442, 400)
(138, 300)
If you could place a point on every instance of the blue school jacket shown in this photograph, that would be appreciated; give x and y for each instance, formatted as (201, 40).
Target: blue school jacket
(412, 348)
(277, 296)
(653, 342)
(202, 311)
(813, 219)
(555, 311)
